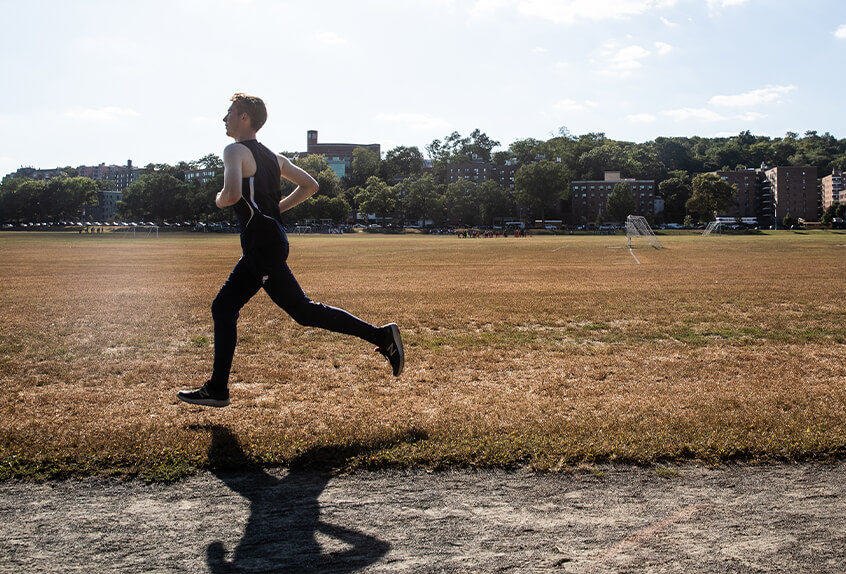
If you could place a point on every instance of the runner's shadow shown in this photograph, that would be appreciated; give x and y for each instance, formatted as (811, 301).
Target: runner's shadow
(284, 520)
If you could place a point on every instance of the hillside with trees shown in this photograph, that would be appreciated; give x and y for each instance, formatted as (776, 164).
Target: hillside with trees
(399, 190)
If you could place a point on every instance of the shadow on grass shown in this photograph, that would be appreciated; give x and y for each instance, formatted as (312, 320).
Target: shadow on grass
(284, 520)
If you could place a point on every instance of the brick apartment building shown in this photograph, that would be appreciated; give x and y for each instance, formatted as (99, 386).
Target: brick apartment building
(748, 196)
(37, 174)
(833, 189)
(202, 174)
(794, 192)
(105, 208)
(338, 155)
(121, 175)
(480, 171)
(589, 198)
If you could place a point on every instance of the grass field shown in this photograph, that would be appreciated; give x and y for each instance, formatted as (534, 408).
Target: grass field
(546, 351)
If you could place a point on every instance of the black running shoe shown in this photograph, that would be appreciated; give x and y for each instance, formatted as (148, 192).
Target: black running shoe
(205, 396)
(392, 350)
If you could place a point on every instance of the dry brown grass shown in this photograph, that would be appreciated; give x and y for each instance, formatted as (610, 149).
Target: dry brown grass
(715, 348)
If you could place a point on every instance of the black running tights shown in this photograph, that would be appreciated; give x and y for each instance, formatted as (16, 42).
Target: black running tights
(282, 287)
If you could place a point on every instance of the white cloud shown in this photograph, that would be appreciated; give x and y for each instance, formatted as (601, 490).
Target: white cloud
(715, 4)
(562, 65)
(414, 121)
(840, 32)
(765, 95)
(695, 114)
(641, 118)
(668, 23)
(663, 48)
(539, 50)
(484, 8)
(751, 116)
(571, 11)
(574, 106)
(329, 38)
(445, 3)
(106, 114)
(618, 61)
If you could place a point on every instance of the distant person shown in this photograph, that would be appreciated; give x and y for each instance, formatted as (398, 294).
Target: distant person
(252, 185)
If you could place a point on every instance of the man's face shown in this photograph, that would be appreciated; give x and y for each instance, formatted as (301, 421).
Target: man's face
(232, 119)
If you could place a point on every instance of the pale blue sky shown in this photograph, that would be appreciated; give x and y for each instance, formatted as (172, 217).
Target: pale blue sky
(86, 82)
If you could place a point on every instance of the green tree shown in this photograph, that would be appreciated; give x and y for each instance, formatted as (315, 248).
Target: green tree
(66, 196)
(480, 146)
(501, 157)
(542, 185)
(63, 197)
(525, 150)
(210, 161)
(20, 200)
(339, 210)
(462, 203)
(828, 215)
(621, 202)
(320, 206)
(157, 196)
(377, 197)
(424, 200)
(328, 183)
(443, 152)
(493, 201)
(675, 191)
(610, 156)
(711, 195)
(365, 164)
(401, 163)
(334, 208)
(314, 164)
(788, 222)
(349, 195)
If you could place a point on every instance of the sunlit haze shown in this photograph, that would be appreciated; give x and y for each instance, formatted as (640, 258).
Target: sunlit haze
(87, 82)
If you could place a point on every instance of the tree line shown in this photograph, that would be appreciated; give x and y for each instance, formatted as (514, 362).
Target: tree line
(396, 188)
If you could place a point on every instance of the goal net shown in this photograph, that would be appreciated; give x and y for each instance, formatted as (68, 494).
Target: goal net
(133, 231)
(714, 226)
(636, 226)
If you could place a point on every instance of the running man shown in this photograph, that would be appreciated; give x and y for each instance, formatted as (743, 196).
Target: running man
(252, 185)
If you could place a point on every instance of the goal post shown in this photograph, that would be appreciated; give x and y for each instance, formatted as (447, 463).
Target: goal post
(133, 231)
(713, 227)
(637, 226)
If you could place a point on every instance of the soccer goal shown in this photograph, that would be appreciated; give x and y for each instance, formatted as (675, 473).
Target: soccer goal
(713, 227)
(133, 231)
(636, 226)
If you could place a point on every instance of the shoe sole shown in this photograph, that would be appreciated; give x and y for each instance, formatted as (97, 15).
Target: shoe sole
(398, 342)
(204, 402)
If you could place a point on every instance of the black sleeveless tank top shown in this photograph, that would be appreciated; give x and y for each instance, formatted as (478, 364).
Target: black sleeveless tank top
(258, 208)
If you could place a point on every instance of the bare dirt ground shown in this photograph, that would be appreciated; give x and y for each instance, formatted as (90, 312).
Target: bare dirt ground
(608, 518)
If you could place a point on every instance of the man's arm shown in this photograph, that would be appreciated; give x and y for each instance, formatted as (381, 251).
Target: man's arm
(231, 192)
(306, 185)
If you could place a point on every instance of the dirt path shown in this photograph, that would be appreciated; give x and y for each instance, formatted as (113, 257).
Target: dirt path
(781, 518)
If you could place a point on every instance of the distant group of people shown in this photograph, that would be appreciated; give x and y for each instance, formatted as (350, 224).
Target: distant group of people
(90, 230)
(474, 234)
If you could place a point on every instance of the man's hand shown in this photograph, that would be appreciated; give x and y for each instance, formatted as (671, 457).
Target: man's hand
(306, 185)
(232, 170)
